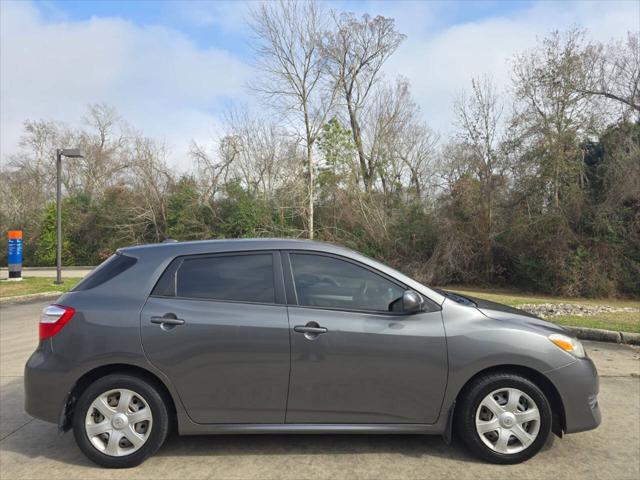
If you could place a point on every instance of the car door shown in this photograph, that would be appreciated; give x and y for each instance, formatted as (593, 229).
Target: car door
(353, 360)
(217, 326)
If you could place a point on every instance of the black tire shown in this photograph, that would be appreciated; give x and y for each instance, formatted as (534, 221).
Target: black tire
(155, 402)
(473, 395)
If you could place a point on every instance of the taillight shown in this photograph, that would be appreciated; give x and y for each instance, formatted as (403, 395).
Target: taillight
(53, 318)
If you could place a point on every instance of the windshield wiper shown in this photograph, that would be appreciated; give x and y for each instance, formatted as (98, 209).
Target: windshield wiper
(457, 298)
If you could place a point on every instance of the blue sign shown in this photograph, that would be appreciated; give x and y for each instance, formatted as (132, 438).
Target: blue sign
(14, 251)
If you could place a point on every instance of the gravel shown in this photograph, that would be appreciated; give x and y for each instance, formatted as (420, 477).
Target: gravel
(549, 310)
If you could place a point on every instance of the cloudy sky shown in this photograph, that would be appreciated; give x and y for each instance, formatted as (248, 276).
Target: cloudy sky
(172, 68)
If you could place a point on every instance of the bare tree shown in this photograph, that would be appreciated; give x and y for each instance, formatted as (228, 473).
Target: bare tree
(28, 176)
(417, 150)
(150, 178)
(551, 111)
(356, 50)
(266, 155)
(212, 168)
(479, 130)
(385, 119)
(103, 145)
(614, 72)
(397, 143)
(292, 66)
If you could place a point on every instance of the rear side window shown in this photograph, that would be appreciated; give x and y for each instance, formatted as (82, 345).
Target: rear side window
(240, 278)
(110, 268)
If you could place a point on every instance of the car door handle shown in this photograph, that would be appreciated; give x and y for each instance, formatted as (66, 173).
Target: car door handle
(168, 319)
(306, 329)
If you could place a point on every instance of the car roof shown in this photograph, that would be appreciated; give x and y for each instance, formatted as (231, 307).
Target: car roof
(221, 245)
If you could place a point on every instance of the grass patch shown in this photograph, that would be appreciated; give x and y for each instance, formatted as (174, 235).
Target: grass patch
(30, 285)
(515, 298)
(618, 321)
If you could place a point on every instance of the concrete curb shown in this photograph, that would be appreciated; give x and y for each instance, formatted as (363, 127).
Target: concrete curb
(630, 338)
(600, 335)
(32, 297)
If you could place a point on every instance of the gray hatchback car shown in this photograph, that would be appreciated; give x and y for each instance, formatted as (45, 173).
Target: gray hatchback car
(287, 336)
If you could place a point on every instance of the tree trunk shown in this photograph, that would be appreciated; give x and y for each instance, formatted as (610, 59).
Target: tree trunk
(357, 139)
(556, 186)
(416, 183)
(489, 240)
(309, 141)
(311, 189)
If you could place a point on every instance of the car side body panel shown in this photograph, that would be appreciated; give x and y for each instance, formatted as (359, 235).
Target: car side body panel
(229, 361)
(59, 362)
(477, 342)
(354, 372)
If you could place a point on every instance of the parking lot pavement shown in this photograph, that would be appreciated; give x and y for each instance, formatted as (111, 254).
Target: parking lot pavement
(33, 449)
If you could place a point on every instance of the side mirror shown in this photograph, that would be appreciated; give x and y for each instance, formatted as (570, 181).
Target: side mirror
(412, 302)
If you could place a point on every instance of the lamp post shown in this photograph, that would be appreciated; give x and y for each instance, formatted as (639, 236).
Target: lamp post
(69, 153)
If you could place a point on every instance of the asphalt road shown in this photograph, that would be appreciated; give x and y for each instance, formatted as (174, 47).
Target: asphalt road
(33, 449)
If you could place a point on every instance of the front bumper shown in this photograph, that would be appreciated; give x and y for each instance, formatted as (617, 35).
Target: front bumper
(578, 386)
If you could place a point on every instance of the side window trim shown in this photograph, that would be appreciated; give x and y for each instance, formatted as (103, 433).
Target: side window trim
(278, 278)
(290, 288)
(278, 283)
(178, 263)
(292, 299)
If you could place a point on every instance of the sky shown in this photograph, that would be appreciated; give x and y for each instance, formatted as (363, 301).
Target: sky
(172, 69)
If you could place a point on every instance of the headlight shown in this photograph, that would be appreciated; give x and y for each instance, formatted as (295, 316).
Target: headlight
(568, 344)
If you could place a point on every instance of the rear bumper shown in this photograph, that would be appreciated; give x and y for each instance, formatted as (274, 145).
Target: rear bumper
(46, 388)
(578, 385)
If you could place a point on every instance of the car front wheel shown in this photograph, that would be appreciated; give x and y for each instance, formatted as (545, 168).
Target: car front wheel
(504, 418)
(120, 420)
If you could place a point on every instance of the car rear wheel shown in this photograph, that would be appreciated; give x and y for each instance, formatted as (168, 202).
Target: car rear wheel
(503, 418)
(120, 420)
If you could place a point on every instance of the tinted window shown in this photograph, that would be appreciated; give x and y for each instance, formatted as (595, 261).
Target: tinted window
(245, 278)
(166, 286)
(110, 268)
(322, 281)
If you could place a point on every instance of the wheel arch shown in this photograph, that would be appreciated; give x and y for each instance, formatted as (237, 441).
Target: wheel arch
(94, 374)
(547, 387)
